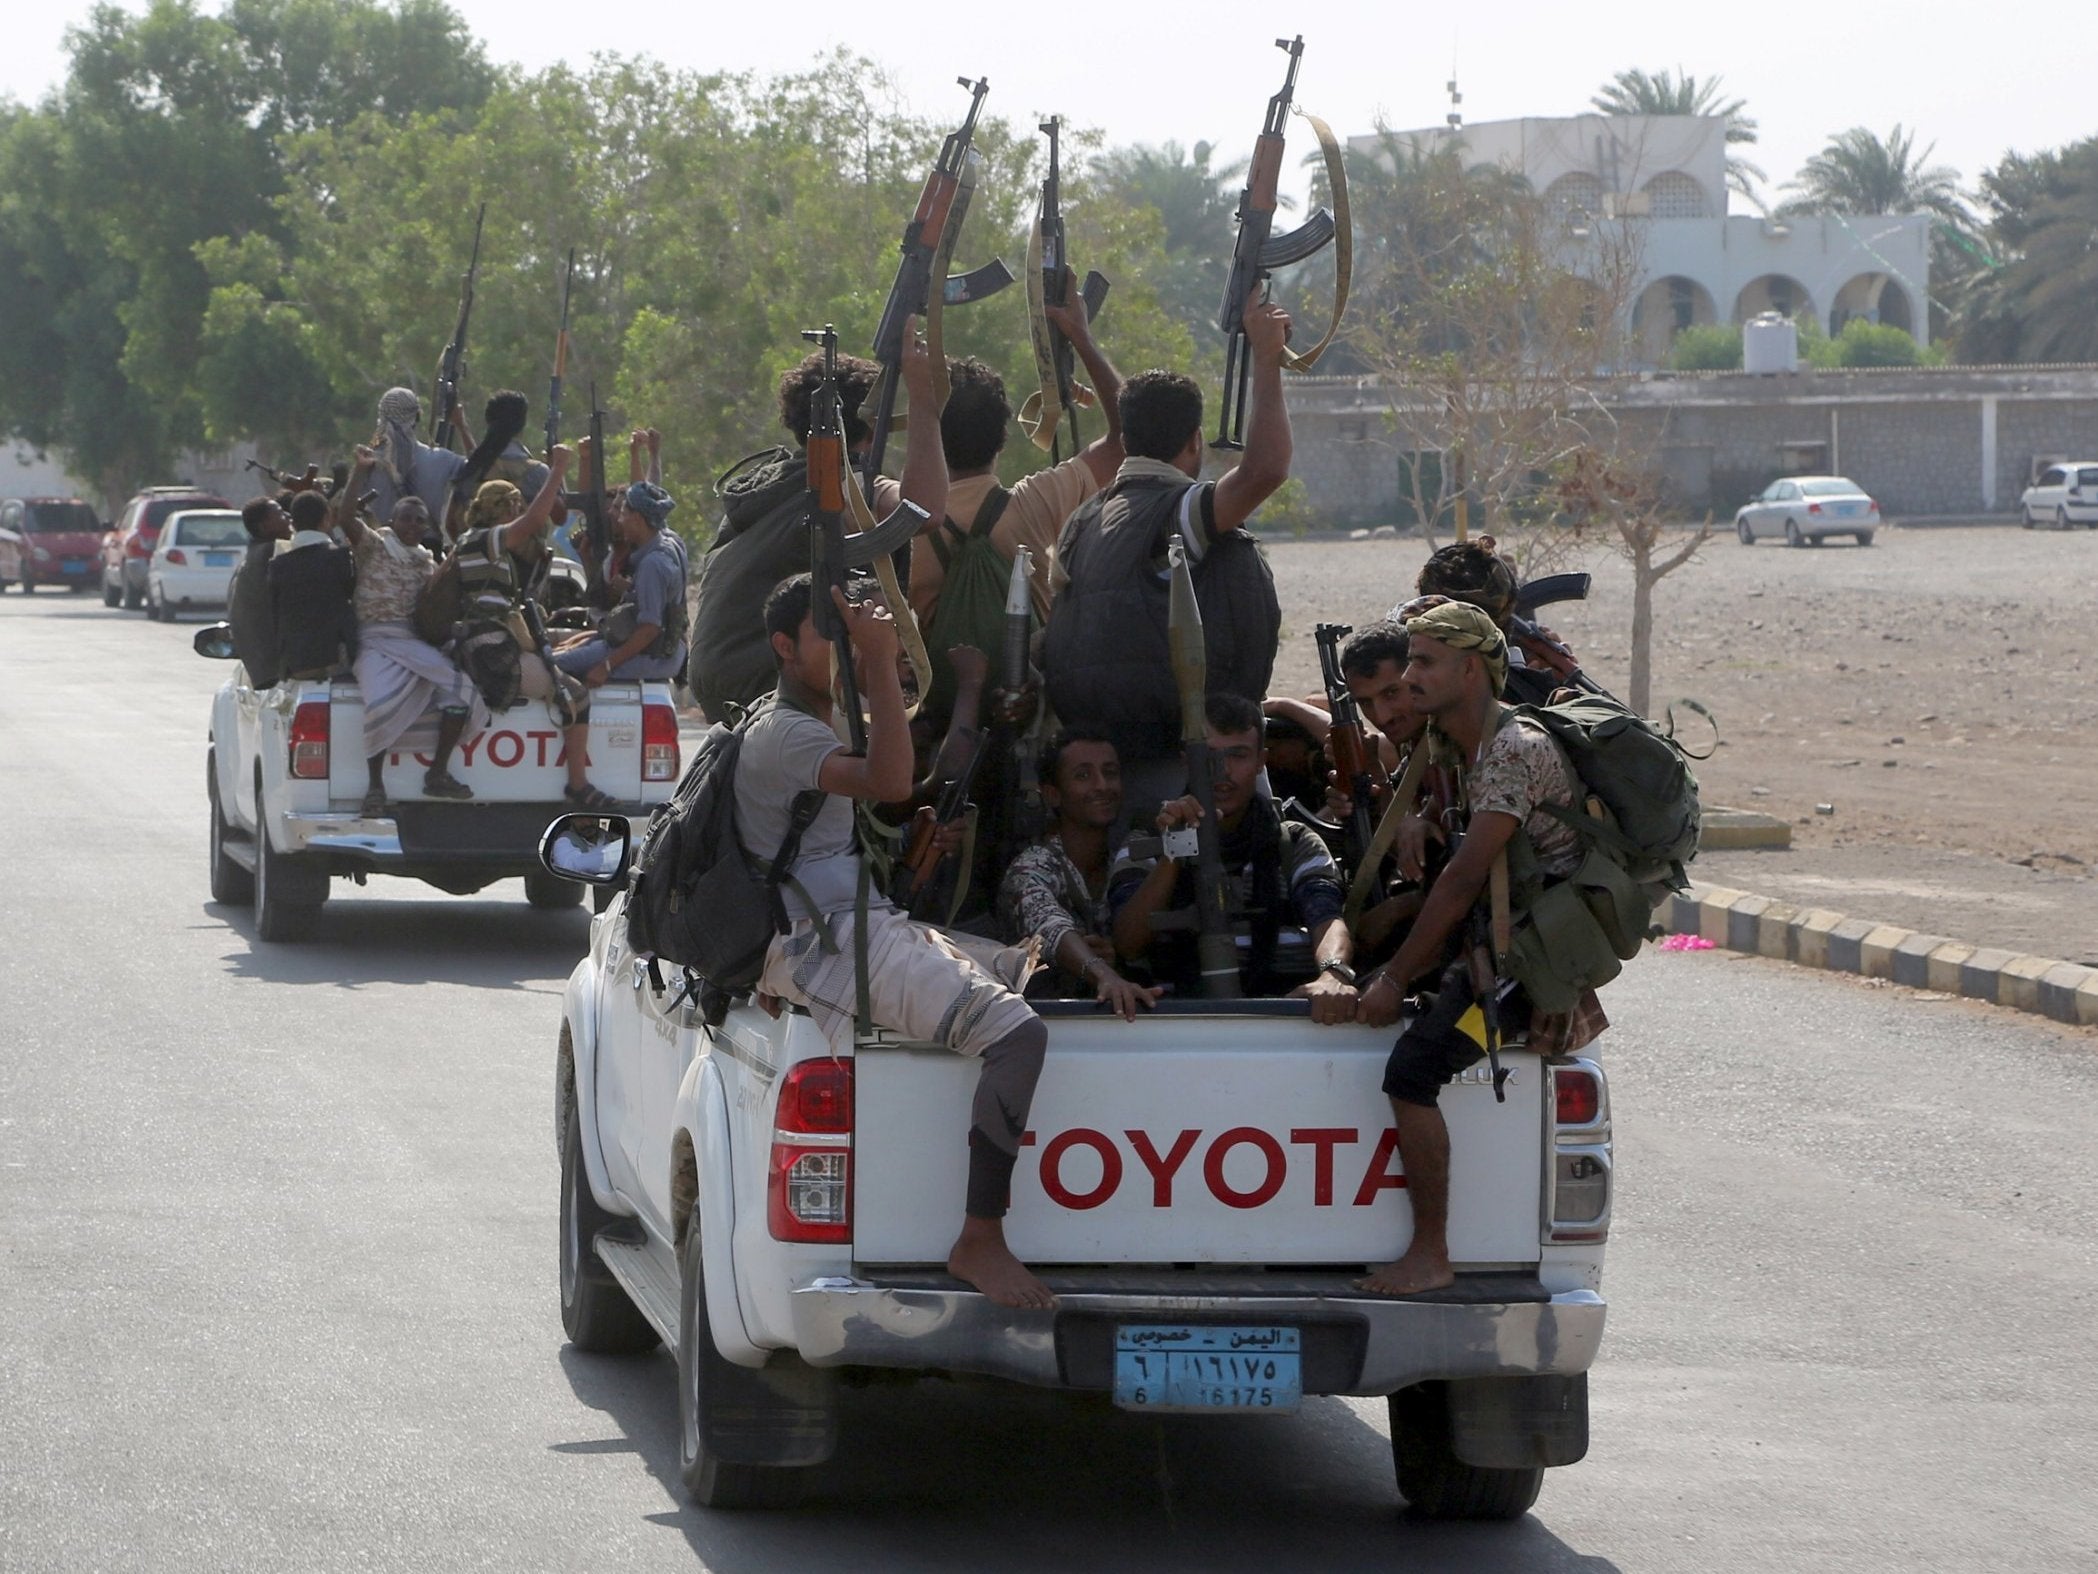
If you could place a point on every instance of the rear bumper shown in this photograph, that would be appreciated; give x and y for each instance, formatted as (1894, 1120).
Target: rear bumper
(853, 1322)
(482, 841)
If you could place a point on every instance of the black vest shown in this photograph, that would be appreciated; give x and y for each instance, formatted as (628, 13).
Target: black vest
(310, 607)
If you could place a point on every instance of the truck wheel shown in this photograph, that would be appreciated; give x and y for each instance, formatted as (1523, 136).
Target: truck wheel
(595, 1311)
(1433, 1480)
(707, 1382)
(230, 883)
(548, 893)
(287, 908)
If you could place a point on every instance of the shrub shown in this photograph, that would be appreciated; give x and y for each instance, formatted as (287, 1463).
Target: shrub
(1708, 347)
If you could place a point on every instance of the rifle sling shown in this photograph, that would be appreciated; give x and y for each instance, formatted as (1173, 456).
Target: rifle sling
(1043, 412)
(1403, 793)
(1343, 243)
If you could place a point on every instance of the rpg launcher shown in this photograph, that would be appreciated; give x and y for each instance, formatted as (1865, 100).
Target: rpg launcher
(1216, 950)
(1049, 284)
(928, 247)
(445, 419)
(1356, 764)
(1259, 251)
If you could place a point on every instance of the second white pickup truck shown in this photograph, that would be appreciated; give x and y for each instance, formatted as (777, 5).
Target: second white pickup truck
(1201, 1189)
(286, 775)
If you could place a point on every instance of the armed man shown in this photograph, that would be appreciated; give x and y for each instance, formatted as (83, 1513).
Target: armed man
(763, 537)
(406, 464)
(1105, 653)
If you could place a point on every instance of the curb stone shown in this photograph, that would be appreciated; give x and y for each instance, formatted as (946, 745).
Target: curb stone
(1819, 937)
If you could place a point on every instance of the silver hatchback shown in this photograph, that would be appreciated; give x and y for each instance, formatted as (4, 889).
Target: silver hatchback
(1806, 509)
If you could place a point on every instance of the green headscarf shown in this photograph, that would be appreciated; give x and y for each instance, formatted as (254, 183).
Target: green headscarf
(1462, 626)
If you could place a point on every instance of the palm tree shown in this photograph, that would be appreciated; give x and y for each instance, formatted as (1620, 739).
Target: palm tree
(2031, 300)
(1679, 93)
(1860, 172)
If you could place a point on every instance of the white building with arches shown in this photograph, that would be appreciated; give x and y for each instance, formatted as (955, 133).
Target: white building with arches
(1666, 175)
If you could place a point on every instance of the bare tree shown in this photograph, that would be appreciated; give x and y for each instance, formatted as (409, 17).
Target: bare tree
(1487, 314)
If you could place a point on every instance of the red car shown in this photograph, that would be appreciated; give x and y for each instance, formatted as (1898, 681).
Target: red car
(49, 541)
(128, 546)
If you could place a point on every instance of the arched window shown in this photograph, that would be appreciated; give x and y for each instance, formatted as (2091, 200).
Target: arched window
(1675, 195)
(1574, 196)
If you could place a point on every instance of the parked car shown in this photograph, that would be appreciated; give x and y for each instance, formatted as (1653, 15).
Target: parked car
(2065, 494)
(193, 562)
(128, 547)
(48, 541)
(1807, 509)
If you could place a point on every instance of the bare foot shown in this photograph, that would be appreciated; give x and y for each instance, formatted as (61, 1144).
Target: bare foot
(981, 1257)
(1416, 1273)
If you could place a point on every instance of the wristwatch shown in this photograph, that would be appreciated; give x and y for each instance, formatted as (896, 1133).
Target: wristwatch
(1339, 970)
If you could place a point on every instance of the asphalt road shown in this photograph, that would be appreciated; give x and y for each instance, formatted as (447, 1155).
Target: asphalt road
(277, 1259)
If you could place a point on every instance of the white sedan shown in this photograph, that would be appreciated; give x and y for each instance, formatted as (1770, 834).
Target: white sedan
(1806, 508)
(193, 562)
(2065, 494)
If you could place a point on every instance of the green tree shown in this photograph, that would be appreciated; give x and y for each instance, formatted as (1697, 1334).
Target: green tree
(1678, 92)
(2037, 271)
(1706, 347)
(1859, 171)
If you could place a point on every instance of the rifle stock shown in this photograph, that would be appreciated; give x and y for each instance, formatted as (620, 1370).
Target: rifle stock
(1216, 950)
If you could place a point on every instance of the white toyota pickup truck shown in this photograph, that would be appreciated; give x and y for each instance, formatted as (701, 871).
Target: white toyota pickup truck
(286, 775)
(1200, 1188)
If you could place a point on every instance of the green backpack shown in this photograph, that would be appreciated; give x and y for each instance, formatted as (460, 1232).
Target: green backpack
(1576, 933)
(1641, 775)
(971, 608)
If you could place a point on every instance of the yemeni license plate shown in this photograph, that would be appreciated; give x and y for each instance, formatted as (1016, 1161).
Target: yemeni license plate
(1194, 1367)
(76, 565)
(218, 559)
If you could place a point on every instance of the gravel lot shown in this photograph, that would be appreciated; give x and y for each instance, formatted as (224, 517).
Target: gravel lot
(1934, 688)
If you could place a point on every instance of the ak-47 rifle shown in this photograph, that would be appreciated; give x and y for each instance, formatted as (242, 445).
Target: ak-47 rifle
(1055, 361)
(309, 482)
(1216, 951)
(445, 419)
(921, 859)
(928, 245)
(1259, 251)
(1357, 765)
(833, 554)
(553, 392)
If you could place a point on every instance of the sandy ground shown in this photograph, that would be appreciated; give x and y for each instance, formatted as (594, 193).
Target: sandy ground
(1937, 691)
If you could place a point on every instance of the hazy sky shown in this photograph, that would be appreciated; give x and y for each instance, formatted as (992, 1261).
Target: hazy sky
(1962, 76)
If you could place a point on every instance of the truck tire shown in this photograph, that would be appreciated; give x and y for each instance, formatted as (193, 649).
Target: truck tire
(230, 883)
(1433, 1480)
(549, 893)
(287, 909)
(596, 1312)
(707, 1382)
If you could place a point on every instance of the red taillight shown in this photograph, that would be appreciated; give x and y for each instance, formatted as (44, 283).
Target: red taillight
(1813, 508)
(175, 557)
(808, 1193)
(1580, 1095)
(309, 741)
(1872, 504)
(659, 749)
(140, 545)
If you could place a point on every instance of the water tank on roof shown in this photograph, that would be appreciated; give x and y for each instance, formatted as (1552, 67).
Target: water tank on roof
(1769, 343)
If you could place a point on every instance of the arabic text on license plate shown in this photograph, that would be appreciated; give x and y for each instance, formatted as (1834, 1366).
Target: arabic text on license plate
(1194, 1367)
(218, 559)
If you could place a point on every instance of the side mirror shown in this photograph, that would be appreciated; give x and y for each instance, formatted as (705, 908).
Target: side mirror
(214, 640)
(591, 849)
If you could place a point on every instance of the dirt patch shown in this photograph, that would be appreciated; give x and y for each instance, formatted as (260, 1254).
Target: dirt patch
(1937, 691)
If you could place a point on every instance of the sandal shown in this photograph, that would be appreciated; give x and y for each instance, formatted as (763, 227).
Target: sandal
(374, 804)
(443, 784)
(591, 798)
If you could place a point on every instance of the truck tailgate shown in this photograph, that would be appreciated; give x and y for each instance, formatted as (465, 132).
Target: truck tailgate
(1194, 1139)
(519, 759)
